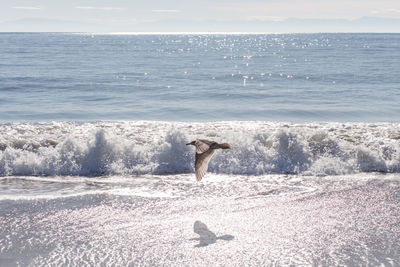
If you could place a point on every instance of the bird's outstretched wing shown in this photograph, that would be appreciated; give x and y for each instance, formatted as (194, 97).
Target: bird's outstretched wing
(202, 145)
(201, 163)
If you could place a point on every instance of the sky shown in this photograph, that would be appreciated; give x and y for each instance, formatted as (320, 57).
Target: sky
(180, 15)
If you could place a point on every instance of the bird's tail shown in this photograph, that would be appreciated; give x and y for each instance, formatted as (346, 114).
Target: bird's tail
(224, 146)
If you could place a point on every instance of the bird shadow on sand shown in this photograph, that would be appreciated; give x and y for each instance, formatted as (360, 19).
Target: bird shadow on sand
(206, 236)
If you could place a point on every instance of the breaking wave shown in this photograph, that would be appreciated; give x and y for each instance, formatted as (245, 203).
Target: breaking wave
(143, 147)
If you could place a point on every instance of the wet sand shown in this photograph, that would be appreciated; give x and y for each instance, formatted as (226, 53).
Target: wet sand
(341, 221)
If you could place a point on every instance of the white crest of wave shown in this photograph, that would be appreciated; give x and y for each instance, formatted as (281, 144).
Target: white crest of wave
(159, 148)
(280, 152)
(173, 156)
(103, 153)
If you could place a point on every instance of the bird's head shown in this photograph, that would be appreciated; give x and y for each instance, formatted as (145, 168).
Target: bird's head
(193, 143)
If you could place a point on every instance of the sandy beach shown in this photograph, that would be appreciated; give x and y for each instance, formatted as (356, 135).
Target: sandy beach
(275, 221)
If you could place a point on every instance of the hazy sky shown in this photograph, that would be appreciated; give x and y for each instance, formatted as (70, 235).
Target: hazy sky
(120, 12)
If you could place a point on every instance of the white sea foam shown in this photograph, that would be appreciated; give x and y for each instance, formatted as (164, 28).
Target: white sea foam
(144, 147)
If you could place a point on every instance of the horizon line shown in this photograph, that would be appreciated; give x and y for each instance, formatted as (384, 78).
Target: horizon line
(197, 32)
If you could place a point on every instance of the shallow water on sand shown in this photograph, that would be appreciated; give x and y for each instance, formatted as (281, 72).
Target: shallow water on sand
(226, 219)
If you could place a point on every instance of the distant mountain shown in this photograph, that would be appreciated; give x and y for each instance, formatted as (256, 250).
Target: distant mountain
(47, 25)
(289, 25)
(365, 24)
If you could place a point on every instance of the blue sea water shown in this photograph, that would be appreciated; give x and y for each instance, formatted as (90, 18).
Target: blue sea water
(279, 77)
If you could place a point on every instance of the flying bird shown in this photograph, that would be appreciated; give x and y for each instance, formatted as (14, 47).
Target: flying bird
(204, 151)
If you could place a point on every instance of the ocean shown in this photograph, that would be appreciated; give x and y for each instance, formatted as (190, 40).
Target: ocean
(95, 171)
(294, 77)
